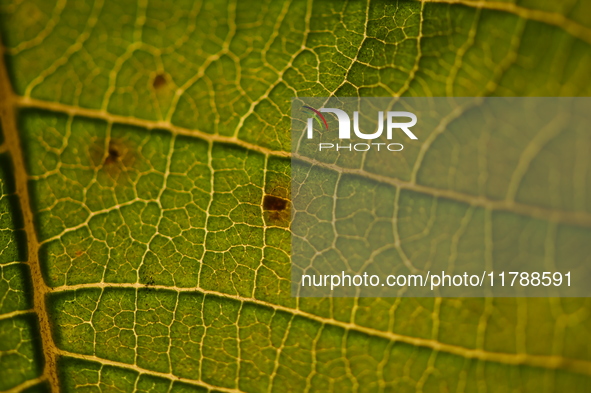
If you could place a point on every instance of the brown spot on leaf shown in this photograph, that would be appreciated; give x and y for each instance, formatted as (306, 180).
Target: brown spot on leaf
(276, 210)
(114, 157)
(159, 81)
(273, 203)
(113, 153)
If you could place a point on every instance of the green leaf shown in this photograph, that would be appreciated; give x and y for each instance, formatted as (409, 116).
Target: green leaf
(140, 140)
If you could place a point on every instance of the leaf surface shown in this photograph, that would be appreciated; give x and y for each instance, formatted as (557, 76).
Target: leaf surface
(140, 140)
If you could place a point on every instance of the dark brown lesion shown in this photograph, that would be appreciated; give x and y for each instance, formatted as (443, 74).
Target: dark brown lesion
(113, 153)
(159, 81)
(276, 210)
(113, 156)
(274, 203)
